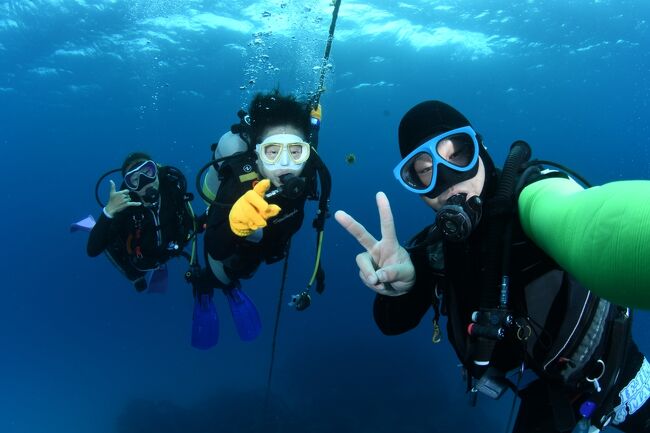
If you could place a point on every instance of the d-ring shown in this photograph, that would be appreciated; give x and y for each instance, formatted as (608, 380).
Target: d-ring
(523, 336)
(602, 364)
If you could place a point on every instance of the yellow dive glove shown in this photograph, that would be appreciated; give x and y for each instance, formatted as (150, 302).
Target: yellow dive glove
(251, 211)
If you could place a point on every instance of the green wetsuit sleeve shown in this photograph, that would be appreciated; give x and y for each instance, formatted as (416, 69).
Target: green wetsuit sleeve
(600, 235)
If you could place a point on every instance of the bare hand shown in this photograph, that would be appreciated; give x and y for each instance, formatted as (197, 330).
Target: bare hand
(385, 267)
(119, 200)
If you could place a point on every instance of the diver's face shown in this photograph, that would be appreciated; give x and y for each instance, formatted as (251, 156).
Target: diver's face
(456, 152)
(148, 170)
(471, 187)
(423, 167)
(143, 192)
(281, 167)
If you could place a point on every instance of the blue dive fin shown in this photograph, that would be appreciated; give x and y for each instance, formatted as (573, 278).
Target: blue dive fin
(205, 323)
(158, 280)
(244, 314)
(85, 225)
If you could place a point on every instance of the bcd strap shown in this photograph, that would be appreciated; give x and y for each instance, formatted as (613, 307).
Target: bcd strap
(242, 165)
(498, 241)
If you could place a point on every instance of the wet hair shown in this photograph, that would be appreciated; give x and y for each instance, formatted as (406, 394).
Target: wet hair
(132, 159)
(273, 109)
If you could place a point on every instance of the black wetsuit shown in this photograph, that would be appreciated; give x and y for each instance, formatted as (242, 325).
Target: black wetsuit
(140, 238)
(242, 256)
(454, 270)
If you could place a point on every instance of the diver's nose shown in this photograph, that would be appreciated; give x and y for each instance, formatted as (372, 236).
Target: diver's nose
(284, 156)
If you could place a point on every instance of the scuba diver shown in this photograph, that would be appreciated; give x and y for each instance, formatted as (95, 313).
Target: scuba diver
(261, 175)
(527, 265)
(144, 224)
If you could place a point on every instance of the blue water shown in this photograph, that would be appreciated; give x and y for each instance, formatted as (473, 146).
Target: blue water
(83, 83)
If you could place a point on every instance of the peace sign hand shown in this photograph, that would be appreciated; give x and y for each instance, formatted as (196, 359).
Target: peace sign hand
(385, 267)
(119, 200)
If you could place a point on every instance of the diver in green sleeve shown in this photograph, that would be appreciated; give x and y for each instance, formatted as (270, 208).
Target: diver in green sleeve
(527, 265)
